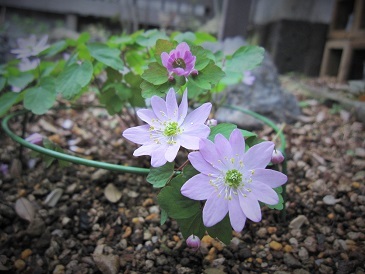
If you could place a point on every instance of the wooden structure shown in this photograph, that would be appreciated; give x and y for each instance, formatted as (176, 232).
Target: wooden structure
(344, 54)
(144, 12)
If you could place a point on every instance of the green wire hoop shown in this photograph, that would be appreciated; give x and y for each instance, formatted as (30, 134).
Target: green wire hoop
(114, 167)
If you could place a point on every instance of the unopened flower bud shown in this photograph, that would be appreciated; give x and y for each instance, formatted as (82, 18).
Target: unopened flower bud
(193, 241)
(35, 139)
(211, 122)
(194, 73)
(277, 157)
(171, 78)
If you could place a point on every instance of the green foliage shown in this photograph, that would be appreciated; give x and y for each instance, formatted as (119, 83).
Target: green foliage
(41, 98)
(160, 176)
(221, 231)
(245, 58)
(74, 78)
(108, 56)
(8, 100)
(280, 204)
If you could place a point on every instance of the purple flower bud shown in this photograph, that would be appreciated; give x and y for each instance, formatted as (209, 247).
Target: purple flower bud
(194, 73)
(211, 122)
(277, 157)
(171, 78)
(35, 139)
(193, 241)
(4, 168)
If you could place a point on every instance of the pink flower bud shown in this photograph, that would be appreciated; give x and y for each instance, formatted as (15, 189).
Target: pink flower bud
(211, 122)
(193, 242)
(171, 78)
(277, 157)
(35, 139)
(194, 73)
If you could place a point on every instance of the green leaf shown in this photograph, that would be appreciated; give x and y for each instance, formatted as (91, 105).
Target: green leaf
(159, 177)
(106, 55)
(73, 78)
(189, 171)
(149, 38)
(155, 74)
(21, 80)
(247, 134)
(148, 89)
(221, 231)
(164, 216)
(2, 83)
(41, 98)
(83, 38)
(134, 81)
(202, 37)
(224, 128)
(114, 97)
(163, 46)
(203, 57)
(192, 225)
(135, 61)
(245, 58)
(176, 205)
(185, 37)
(280, 204)
(208, 77)
(8, 100)
(56, 48)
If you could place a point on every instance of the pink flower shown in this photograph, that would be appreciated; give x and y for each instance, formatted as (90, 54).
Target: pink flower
(168, 127)
(277, 157)
(179, 61)
(248, 78)
(193, 241)
(35, 139)
(30, 47)
(231, 180)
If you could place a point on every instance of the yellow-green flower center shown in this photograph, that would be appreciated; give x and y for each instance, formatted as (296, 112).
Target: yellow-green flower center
(179, 63)
(171, 129)
(233, 178)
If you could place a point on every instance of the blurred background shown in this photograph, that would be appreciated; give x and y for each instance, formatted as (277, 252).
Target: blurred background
(313, 37)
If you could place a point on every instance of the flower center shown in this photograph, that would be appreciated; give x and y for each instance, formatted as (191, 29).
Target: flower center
(233, 178)
(179, 63)
(171, 129)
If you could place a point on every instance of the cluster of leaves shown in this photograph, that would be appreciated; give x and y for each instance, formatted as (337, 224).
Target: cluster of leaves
(187, 212)
(123, 71)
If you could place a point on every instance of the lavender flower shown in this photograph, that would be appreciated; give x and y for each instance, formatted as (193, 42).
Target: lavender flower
(168, 127)
(277, 157)
(30, 47)
(27, 64)
(193, 241)
(248, 78)
(231, 180)
(4, 168)
(179, 61)
(35, 139)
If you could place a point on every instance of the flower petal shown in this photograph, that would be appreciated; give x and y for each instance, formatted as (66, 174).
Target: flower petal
(199, 115)
(165, 59)
(210, 154)
(197, 187)
(264, 193)
(138, 135)
(171, 105)
(201, 165)
(182, 48)
(183, 108)
(215, 209)
(224, 149)
(236, 215)
(271, 178)
(237, 143)
(159, 107)
(158, 157)
(251, 207)
(147, 149)
(258, 156)
(189, 142)
(172, 151)
(147, 116)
